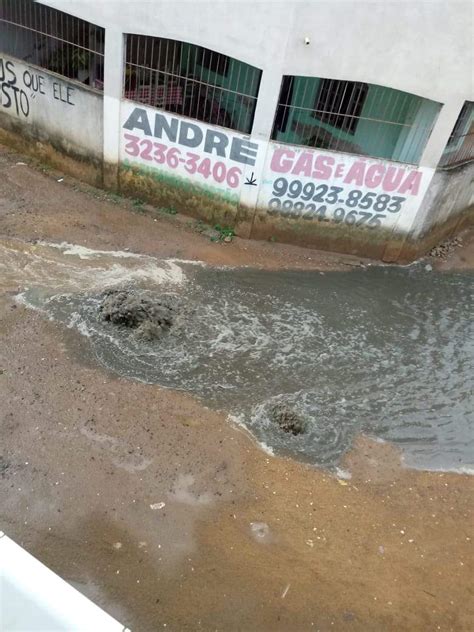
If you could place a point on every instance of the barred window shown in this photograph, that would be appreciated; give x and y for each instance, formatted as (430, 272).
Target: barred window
(354, 117)
(54, 40)
(213, 62)
(346, 98)
(460, 146)
(191, 81)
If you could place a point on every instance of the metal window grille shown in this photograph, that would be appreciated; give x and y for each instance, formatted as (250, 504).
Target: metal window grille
(460, 146)
(53, 40)
(344, 96)
(191, 81)
(353, 117)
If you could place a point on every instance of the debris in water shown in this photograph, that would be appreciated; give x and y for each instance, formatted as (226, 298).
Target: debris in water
(157, 506)
(343, 474)
(288, 420)
(150, 317)
(260, 531)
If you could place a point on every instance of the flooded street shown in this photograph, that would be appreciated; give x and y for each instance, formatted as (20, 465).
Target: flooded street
(384, 351)
(151, 474)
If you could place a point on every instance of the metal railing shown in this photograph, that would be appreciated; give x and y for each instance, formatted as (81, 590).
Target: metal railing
(353, 117)
(460, 146)
(53, 40)
(191, 81)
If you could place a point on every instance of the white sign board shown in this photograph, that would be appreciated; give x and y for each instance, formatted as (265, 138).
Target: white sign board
(217, 159)
(312, 184)
(284, 180)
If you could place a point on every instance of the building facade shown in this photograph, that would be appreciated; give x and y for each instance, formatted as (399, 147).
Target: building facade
(348, 125)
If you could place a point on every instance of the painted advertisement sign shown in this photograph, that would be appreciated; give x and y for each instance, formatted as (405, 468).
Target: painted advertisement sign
(286, 181)
(302, 183)
(216, 159)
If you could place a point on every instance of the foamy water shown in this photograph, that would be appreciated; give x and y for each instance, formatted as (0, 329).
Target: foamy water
(70, 268)
(384, 351)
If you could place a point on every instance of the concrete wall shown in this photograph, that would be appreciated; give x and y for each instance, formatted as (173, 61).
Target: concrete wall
(264, 189)
(418, 47)
(54, 114)
(178, 163)
(450, 198)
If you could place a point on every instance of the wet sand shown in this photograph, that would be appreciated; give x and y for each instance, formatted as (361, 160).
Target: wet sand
(87, 458)
(74, 212)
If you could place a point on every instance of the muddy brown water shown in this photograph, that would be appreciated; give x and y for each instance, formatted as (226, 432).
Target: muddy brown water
(385, 351)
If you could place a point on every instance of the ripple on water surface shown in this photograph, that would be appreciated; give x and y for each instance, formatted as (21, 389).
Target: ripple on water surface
(386, 351)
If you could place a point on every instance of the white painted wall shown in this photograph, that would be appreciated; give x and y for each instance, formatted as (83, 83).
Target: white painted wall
(47, 106)
(281, 180)
(418, 46)
(113, 74)
(450, 194)
(322, 186)
(422, 47)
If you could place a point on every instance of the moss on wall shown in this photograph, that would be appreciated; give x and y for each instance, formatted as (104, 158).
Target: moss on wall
(54, 151)
(324, 235)
(167, 191)
(385, 245)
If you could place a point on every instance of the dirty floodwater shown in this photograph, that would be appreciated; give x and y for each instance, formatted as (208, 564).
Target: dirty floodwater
(382, 351)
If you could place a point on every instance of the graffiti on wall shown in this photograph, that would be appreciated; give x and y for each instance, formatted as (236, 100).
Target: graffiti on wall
(300, 183)
(20, 86)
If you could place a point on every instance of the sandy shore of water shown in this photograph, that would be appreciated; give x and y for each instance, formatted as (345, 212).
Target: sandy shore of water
(244, 541)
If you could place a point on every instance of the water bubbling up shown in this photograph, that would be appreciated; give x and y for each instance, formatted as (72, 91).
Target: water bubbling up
(387, 351)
